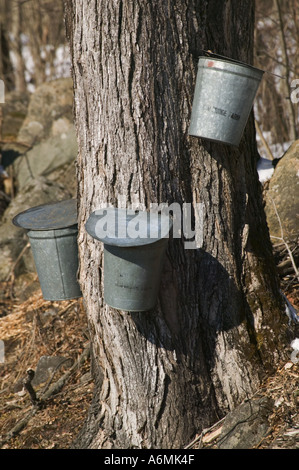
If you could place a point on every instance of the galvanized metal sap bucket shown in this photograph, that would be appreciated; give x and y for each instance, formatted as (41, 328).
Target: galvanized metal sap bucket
(134, 247)
(52, 231)
(224, 94)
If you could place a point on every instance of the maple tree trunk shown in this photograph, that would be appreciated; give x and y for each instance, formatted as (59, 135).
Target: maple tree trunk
(162, 376)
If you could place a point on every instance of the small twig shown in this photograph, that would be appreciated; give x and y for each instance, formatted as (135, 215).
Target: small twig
(265, 143)
(28, 385)
(263, 51)
(54, 372)
(242, 421)
(203, 433)
(17, 261)
(45, 396)
(18, 427)
(65, 309)
(15, 142)
(290, 255)
(5, 196)
(61, 382)
(28, 166)
(11, 406)
(281, 238)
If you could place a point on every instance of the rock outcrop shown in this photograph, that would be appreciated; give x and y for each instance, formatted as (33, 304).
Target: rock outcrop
(42, 160)
(282, 210)
(282, 201)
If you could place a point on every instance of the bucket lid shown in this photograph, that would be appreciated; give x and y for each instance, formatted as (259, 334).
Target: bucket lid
(127, 228)
(48, 216)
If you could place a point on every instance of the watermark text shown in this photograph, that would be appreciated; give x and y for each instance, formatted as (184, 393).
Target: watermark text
(295, 93)
(133, 222)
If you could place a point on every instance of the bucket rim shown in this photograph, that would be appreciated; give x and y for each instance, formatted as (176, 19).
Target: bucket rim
(207, 54)
(48, 216)
(159, 225)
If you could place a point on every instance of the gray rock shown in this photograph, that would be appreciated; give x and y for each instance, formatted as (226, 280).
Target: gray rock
(282, 194)
(14, 112)
(48, 315)
(43, 159)
(46, 157)
(246, 425)
(48, 128)
(47, 365)
(51, 102)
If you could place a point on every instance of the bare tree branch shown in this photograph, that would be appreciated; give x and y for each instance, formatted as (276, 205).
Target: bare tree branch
(265, 143)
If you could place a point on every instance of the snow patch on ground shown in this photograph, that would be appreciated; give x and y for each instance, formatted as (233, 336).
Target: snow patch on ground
(265, 169)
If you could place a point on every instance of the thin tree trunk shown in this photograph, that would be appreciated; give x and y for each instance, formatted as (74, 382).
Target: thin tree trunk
(161, 376)
(6, 69)
(16, 47)
(33, 18)
(286, 84)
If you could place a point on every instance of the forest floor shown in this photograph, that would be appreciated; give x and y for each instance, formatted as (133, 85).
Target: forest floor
(32, 328)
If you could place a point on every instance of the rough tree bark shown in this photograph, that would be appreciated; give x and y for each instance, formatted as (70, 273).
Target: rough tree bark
(162, 376)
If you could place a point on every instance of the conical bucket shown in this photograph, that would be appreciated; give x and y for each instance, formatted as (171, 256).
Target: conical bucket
(52, 231)
(224, 94)
(132, 264)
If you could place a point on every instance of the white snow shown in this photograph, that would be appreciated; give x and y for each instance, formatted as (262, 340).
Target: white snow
(264, 166)
(295, 346)
(265, 169)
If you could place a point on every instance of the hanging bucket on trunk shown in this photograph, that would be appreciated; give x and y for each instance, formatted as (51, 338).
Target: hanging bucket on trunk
(134, 247)
(224, 93)
(52, 231)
